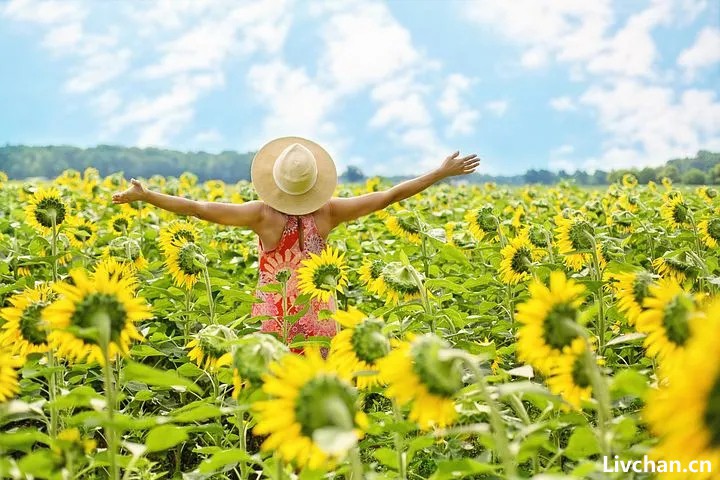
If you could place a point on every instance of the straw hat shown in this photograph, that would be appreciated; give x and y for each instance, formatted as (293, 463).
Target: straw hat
(293, 175)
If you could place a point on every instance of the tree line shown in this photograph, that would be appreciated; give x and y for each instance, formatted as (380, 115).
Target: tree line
(20, 161)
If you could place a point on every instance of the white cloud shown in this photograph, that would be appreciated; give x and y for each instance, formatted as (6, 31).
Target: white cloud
(497, 107)
(559, 158)
(563, 104)
(107, 102)
(646, 125)
(704, 53)
(642, 121)
(99, 69)
(45, 12)
(463, 118)
(365, 45)
(207, 137)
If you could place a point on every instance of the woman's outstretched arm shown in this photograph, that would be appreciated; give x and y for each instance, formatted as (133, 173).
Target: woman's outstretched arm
(242, 215)
(346, 209)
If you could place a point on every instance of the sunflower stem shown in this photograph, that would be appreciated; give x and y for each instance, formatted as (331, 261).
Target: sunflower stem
(188, 316)
(208, 289)
(423, 249)
(358, 472)
(399, 444)
(496, 421)
(52, 393)
(53, 249)
(110, 400)
(242, 433)
(600, 390)
(283, 323)
(600, 297)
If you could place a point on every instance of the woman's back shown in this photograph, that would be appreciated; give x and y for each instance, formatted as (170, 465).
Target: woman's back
(299, 238)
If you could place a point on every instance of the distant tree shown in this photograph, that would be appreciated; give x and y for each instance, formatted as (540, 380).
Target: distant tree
(352, 174)
(694, 176)
(647, 174)
(714, 175)
(670, 171)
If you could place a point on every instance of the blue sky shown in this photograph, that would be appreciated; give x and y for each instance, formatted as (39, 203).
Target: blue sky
(391, 87)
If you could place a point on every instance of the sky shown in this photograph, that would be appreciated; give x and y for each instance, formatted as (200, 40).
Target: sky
(391, 87)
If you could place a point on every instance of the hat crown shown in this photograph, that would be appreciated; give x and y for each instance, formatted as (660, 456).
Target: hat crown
(295, 171)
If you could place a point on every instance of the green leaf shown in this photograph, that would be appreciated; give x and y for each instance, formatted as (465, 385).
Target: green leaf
(223, 458)
(629, 382)
(22, 439)
(449, 469)
(583, 443)
(164, 437)
(159, 378)
(418, 444)
(142, 351)
(387, 457)
(627, 338)
(199, 412)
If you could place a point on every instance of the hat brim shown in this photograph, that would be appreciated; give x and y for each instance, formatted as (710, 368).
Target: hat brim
(261, 174)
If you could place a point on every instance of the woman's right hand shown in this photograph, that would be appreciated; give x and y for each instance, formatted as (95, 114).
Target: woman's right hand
(132, 194)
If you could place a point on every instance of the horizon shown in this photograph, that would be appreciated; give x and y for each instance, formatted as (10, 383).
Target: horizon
(583, 86)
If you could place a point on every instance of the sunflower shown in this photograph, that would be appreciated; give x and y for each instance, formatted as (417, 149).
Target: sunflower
(209, 348)
(111, 267)
(251, 359)
(183, 261)
(710, 232)
(323, 275)
(672, 267)
(449, 233)
(482, 222)
(549, 320)
(173, 235)
(24, 330)
(623, 220)
(417, 373)
(9, 365)
(311, 416)
(675, 211)
(121, 222)
(400, 283)
(629, 180)
(404, 225)
(81, 232)
(371, 275)
(70, 441)
(708, 194)
(127, 251)
(574, 239)
(517, 259)
(46, 208)
(570, 374)
(88, 306)
(632, 288)
(685, 412)
(666, 182)
(360, 345)
(669, 314)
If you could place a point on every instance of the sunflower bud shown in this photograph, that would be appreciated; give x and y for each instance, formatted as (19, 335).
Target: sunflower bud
(368, 341)
(441, 375)
(253, 353)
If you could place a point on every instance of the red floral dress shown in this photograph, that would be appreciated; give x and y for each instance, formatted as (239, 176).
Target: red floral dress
(287, 257)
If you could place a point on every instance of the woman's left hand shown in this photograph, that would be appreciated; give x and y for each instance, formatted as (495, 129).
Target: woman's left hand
(456, 165)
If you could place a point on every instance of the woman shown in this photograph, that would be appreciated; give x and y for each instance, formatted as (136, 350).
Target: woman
(295, 179)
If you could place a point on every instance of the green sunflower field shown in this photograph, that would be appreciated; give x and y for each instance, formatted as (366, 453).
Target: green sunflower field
(486, 332)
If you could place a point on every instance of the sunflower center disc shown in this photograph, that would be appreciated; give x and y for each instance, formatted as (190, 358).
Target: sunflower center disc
(31, 326)
(538, 237)
(580, 233)
(675, 319)
(714, 229)
(95, 305)
(641, 287)
(680, 213)
(187, 259)
(47, 209)
(325, 277)
(182, 235)
(368, 342)
(580, 375)
(486, 221)
(556, 331)
(712, 414)
(399, 279)
(521, 261)
(318, 401)
(441, 377)
(408, 225)
(376, 268)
